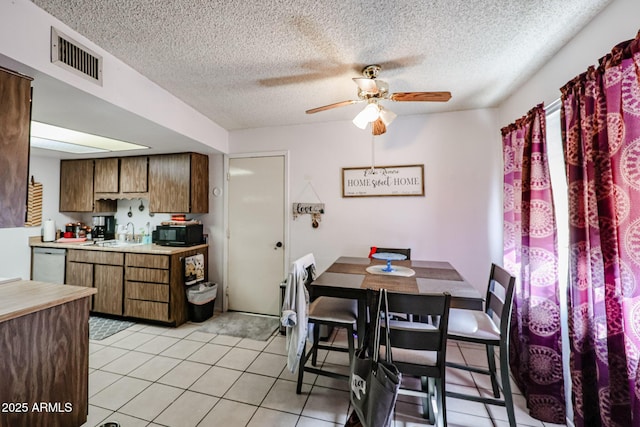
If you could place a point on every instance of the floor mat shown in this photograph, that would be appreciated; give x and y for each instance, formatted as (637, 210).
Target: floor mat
(102, 327)
(243, 325)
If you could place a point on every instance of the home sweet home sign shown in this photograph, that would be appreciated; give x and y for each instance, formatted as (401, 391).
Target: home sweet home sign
(407, 180)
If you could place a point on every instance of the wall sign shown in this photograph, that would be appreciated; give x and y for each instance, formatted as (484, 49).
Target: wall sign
(313, 209)
(405, 180)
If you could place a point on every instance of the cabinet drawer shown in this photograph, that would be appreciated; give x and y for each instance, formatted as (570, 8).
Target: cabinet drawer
(96, 257)
(147, 261)
(138, 274)
(147, 291)
(146, 309)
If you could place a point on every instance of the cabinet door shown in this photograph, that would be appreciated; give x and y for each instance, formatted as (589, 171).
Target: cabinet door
(108, 281)
(199, 183)
(76, 185)
(105, 176)
(79, 274)
(133, 174)
(169, 183)
(15, 116)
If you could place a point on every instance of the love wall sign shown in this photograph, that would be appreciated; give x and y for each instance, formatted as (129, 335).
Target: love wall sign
(382, 181)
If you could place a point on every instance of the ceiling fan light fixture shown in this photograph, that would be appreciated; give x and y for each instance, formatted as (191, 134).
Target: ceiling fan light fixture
(369, 114)
(387, 116)
(360, 122)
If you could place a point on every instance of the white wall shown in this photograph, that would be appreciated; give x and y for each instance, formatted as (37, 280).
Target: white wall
(459, 218)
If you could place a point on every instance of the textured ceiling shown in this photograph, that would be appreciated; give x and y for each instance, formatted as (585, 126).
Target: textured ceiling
(248, 64)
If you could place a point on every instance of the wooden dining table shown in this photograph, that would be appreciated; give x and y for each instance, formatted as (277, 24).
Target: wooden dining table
(348, 277)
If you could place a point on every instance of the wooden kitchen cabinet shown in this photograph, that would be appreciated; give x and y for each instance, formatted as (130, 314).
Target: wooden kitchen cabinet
(154, 286)
(101, 270)
(120, 178)
(106, 175)
(15, 119)
(107, 279)
(80, 274)
(133, 174)
(147, 291)
(179, 183)
(76, 188)
(76, 185)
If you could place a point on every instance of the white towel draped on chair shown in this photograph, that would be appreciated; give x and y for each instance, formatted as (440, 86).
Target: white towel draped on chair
(295, 309)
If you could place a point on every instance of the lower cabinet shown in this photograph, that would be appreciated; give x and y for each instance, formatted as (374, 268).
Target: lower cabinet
(102, 270)
(138, 285)
(147, 287)
(107, 279)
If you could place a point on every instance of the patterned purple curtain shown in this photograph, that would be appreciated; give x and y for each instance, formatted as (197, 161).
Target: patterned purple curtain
(601, 138)
(531, 255)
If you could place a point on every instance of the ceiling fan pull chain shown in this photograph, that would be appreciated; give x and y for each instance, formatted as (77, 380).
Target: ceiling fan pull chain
(373, 152)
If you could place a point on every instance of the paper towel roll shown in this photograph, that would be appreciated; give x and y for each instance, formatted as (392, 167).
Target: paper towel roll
(49, 231)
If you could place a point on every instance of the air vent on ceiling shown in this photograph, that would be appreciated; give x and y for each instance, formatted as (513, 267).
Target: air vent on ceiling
(73, 56)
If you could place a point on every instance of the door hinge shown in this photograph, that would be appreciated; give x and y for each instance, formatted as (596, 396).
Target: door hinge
(228, 176)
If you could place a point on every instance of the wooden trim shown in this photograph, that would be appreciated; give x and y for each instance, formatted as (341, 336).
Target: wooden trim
(15, 73)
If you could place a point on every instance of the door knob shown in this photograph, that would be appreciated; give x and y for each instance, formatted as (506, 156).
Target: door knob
(278, 245)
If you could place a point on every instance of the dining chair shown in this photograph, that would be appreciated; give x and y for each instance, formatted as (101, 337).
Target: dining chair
(325, 311)
(419, 349)
(374, 250)
(490, 328)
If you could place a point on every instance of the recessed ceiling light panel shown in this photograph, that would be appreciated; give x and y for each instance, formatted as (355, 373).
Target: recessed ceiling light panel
(90, 142)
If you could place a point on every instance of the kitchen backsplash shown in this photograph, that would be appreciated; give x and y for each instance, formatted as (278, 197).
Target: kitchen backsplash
(139, 217)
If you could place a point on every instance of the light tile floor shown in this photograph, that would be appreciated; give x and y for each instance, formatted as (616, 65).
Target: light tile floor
(180, 377)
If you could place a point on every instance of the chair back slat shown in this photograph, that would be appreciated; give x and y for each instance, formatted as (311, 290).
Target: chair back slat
(499, 299)
(418, 336)
(418, 339)
(421, 305)
(495, 304)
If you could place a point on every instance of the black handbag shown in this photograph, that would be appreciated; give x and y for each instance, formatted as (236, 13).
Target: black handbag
(374, 383)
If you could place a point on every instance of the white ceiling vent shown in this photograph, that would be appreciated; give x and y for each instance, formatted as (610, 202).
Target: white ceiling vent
(75, 57)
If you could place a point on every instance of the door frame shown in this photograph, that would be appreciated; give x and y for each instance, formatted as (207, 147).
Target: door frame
(225, 249)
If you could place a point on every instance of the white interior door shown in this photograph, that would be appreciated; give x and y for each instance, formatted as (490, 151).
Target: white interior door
(256, 195)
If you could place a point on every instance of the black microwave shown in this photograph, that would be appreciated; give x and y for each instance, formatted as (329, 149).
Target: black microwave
(178, 235)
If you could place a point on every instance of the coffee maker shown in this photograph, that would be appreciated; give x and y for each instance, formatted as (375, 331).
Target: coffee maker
(104, 227)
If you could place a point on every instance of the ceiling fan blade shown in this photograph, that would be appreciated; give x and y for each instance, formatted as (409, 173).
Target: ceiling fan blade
(330, 106)
(366, 85)
(421, 96)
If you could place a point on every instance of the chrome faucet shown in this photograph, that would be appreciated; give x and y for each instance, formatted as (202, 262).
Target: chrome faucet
(133, 231)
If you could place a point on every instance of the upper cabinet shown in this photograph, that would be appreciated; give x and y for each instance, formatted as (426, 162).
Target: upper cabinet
(105, 175)
(121, 178)
(179, 183)
(76, 188)
(173, 183)
(15, 118)
(76, 185)
(133, 174)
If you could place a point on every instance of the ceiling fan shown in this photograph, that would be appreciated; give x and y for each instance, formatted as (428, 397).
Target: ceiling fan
(371, 90)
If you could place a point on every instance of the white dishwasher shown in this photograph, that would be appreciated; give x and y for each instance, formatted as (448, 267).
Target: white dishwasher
(49, 264)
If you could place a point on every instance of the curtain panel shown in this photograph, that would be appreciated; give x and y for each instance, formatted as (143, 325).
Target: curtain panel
(531, 255)
(600, 117)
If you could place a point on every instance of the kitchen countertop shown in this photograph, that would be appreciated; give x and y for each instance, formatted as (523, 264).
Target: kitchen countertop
(36, 241)
(22, 297)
